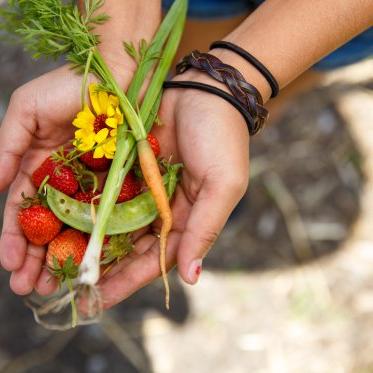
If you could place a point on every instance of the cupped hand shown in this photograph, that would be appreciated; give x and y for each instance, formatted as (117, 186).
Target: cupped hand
(210, 138)
(37, 122)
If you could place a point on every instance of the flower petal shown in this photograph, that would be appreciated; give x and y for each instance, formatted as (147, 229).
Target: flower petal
(119, 116)
(99, 152)
(93, 95)
(81, 133)
(112, 122)
(102, 135)
(85, 142)
(87, 112)
(103, 100)
(114, 100)
(109, 155)
(110, 146)
(82, 122)
(110, 110)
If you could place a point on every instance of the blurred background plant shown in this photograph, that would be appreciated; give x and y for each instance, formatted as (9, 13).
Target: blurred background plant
(288, 286)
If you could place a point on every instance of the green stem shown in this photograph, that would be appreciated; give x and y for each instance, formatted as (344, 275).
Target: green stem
(42, 185)
(155, 88)
(126, 152)
(132, 117)
(152, 100)
(74, 313)
(85, 77)
(174, 13)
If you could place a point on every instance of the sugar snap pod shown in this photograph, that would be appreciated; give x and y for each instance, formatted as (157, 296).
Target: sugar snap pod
(126, 217)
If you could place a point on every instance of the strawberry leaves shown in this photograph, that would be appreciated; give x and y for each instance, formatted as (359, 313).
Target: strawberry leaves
(118, 247)
(69, 270)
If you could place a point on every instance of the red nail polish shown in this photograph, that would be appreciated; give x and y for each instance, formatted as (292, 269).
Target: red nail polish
(195, 270)
(198, 270)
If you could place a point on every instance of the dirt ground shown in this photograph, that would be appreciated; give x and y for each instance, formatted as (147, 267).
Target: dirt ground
(288, 286)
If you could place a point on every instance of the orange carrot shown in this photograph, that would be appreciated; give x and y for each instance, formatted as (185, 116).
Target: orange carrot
(154, 181)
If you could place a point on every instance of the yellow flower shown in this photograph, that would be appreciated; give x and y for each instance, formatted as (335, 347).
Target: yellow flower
(97, 129)
(106, 150)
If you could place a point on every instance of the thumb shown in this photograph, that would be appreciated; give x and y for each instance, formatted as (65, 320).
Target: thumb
(208, 216)
(16, 134)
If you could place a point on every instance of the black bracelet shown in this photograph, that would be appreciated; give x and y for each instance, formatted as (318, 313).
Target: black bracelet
(252, 125)
(252, 60)
(249, 97)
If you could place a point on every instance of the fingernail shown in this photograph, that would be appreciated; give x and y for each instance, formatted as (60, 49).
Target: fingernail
(195, 270)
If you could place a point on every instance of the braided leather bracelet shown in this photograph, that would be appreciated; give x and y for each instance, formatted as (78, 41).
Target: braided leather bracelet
(245, 93)
(252, 60)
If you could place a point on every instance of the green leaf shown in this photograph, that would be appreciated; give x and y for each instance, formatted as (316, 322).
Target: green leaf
(70, 269)
(131, 51)
(144, 46)
(52, 28)
(56, 264)
(119, 246)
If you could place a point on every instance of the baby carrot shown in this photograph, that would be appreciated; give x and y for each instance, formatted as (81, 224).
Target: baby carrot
(154, 181)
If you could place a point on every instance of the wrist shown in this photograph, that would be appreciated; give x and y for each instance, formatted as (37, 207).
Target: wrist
(201, 101)
(239, 93)
(250, 73)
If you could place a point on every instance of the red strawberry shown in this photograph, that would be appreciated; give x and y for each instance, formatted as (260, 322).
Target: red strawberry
(39, 224)
(130, 189)
(69, 243)
(60, 177)
(95, 164)
(64, 255)
(154, 143)
(87, 197)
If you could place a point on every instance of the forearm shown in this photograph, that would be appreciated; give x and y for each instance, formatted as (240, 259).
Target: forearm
(129, 21)
(290, 36)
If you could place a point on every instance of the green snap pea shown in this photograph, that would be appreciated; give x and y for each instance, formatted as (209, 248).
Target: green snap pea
(126, 217)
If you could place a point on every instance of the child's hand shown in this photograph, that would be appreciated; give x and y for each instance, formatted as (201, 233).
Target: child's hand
(37, 122)
(210, 137)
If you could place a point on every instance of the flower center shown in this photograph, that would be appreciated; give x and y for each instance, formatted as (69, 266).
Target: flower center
(99, 123)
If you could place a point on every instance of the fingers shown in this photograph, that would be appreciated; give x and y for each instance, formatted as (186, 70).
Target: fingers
(208, 216)
(46, 284)
(16, 134)
(135, 274)
(16, 255)
(22, 282)
(13, 244)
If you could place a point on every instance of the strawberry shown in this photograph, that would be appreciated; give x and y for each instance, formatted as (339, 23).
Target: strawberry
(154, 143)
(39, 224)
(95, 164)
(87, 197)
(130, 189)
(61, 177)
(65, 253)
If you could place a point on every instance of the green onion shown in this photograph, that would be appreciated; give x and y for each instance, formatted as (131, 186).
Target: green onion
(126, 151)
